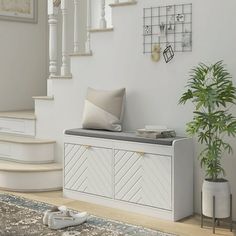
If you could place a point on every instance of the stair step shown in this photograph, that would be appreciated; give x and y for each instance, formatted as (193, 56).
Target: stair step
(30, 178)
(25, 114)
(101, 30)
(43, 97)
(24, 140)
(60, 77)
(20, 167)
(121, 4)
(18, 122)
(26, 150)
(81, 54)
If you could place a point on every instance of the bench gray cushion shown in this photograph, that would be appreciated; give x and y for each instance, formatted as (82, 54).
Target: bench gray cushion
(124, 136)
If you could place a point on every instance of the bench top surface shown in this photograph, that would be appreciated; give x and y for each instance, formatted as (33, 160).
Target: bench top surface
(123, 136)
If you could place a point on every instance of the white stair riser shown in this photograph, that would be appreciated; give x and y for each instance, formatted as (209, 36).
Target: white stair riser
(17, 126)
(27, 153)
(50, 87)
(31, 181)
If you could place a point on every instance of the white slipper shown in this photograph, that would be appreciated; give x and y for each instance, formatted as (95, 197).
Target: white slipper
(58, 221)
(54, 210)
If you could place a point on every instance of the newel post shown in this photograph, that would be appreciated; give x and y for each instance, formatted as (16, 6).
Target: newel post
(65, 69)
(53, 25)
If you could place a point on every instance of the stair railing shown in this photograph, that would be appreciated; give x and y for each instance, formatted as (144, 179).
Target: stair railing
(53, 13)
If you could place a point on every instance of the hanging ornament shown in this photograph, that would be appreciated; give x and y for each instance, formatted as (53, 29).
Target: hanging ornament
(156, 50)
(168, 53)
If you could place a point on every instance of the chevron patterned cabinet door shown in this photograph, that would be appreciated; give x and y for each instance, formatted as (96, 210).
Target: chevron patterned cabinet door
(76, 167)
(156, 181)
(128, 176)
(143, 178)
(100, 171)
(88, 169)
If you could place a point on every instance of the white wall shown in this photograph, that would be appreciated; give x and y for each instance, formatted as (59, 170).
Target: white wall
(153, 89)
(23, 61)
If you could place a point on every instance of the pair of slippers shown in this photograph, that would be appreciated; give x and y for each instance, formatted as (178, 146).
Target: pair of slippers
(61, 217)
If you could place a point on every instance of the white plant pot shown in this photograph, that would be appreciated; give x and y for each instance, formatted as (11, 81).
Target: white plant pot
(221, 191)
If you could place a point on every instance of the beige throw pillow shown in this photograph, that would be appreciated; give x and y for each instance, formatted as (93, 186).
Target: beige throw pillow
(104, 109)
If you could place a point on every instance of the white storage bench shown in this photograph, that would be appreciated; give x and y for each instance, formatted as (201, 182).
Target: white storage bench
(121, 170)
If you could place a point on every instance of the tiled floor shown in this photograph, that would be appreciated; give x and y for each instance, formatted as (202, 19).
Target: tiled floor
(187, 227)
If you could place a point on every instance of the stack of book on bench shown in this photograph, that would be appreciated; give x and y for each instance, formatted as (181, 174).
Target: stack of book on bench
(156, 131)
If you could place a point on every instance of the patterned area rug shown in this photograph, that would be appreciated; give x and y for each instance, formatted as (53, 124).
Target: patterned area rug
(23, 217)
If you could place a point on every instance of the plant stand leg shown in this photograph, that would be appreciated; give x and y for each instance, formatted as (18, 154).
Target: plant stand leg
(231, 215)
(201, 213)
(214, 212)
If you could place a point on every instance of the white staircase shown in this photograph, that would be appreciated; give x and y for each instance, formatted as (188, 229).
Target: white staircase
(86, 68)
(62, 108)
(26, 162)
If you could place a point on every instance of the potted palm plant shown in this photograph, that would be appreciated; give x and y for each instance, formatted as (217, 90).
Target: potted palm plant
(212, 92)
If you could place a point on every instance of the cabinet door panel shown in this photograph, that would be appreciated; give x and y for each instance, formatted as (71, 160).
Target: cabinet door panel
(128, 176)
(76, 167)
(100, 171)
(156, 181)
(88, 169)
(143, 178)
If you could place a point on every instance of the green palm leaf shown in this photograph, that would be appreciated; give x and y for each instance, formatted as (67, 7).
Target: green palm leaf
(211, 90)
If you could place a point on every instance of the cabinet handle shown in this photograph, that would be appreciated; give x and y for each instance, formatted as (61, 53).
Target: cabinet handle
(140, 153)
(87, 146)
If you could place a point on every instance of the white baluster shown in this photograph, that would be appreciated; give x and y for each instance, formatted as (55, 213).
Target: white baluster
(53, 24)
(103, 23)
(76, 26)
(87, 44)
(65, 70)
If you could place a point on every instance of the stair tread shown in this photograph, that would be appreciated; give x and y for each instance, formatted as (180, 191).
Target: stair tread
(60, 77)
(120, 4)
(19, 167)
(24, 140)
(97, 30)
(43, 97)
(74, 54)
(24, 114)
